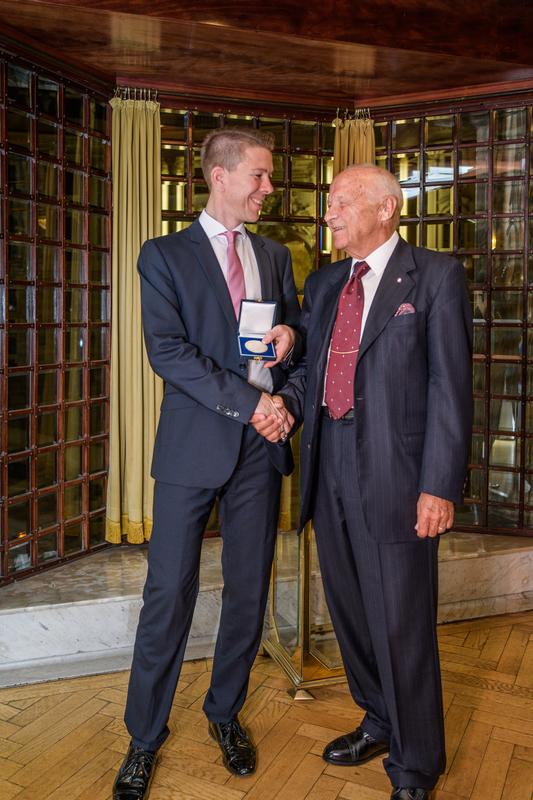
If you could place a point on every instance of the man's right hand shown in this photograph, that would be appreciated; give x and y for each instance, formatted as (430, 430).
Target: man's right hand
(271, 419)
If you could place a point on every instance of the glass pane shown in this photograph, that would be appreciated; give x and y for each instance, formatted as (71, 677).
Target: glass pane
(273, 204)
(303, 169)
(99, 344)
(47, 179)
(47, 138)
(478, 377)
(46, 428)
(507, 306)
(97, 457)
(477, 455)
(438, 200)
(98, 305)
(47, 510)
(508, 234)
(18, 348)
(506, 342)
(98, 192)
(411, 202)
(74, 266)
(439, 130)
(97, 115)
(74, 232)
(406, 167)
(18, 129)
(46, 469)
(468, 514)
(18, 520)
(19, 261)
(18, 477)
(98, 230)
(475, 485)
(173, 160)
(73, 501)
(47, 388)
(48, 304)
(439, 165)
(509, 159)
(475, 267)
(197, 164)
(96, 531)
(474, 127)
(479, 305)
(72, 539)
(439, 236)
(73, 464)
(405, 133)
(508, 196)
(510, 123)
(19, 85)
(381, 135)
(19, 391)
(326, 170)
(507, 270)
(502, 517)
(19, 217)
(173, 196)
(19, 557)
(472, 198)
(202, 124)
(47, 96)
(410, 232)
(302, 203)
(506, 379)
(48, 260)
(74, 147)
(20, 306)
(472, 234)
(74, 107)
(98, 268)
(303, 135)
(74, 311)
(97, 494)
(504, 451)
(47, 221)
(97, 381)
(98, 154)
(47, 548)
(19, 174)
(200, 194)
(73, 384)
(48, 345)
(74, 187)
(97, 421)
(505, 415)
(74, 344)
(503, 486)
(277, 128)
(473, 162)
(173, 124)
(73, 423)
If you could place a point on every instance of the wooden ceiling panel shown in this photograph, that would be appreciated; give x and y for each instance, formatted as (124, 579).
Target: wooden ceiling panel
(218, 59)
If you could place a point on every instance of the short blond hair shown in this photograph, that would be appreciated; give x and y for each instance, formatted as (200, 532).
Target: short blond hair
(225, 147)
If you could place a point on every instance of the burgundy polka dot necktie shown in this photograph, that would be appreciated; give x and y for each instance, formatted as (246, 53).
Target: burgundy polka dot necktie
(344, 345)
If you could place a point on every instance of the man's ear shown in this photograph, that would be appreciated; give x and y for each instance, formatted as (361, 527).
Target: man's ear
(218, 175)
(387, 209)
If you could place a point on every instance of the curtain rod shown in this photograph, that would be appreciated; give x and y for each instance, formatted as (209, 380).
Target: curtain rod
(357, 113)
(135, 93)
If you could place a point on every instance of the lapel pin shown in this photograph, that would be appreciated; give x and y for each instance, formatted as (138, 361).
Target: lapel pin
(398, 280)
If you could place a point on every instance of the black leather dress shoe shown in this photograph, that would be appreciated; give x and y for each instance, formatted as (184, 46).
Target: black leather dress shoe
(238, 751)
(353, 748)
(399, 793)
(135, 775)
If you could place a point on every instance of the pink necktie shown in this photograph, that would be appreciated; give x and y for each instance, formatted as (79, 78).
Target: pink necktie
(344, 346)
(235, 277)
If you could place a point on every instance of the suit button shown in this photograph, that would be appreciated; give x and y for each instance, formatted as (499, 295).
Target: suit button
(309, 445)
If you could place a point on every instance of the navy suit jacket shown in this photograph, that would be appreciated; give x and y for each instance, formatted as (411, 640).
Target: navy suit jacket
(413, 391)
(190, 333)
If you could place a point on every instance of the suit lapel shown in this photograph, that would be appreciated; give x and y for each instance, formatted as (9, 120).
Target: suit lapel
(395, 285)
(264, 265)
(327, 310)
(209, 263)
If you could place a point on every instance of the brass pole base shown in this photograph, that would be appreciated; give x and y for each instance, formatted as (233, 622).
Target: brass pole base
(300, 694)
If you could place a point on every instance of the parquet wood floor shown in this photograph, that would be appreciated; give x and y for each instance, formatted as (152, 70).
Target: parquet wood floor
(64, 740)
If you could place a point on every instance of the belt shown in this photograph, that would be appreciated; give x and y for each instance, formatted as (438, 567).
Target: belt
(350, 415)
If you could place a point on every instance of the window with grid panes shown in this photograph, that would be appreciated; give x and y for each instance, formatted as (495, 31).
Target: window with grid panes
(303, 163)
(467, 187)
(54, 318)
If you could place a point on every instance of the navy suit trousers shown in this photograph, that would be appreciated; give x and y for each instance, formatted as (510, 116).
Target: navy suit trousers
(249, 508)
(382, 598)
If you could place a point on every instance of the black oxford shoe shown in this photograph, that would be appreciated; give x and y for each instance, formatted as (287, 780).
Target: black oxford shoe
(353, 748)
(135, 775)
(409, 794)
(238, 751)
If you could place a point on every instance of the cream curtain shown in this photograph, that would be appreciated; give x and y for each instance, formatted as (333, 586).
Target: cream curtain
(354, 144)
(135, 391)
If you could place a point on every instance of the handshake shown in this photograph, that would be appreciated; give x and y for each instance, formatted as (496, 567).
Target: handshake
(271, 419)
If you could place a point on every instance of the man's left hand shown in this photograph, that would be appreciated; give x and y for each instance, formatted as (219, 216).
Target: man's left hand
(434, 515)
(283, 338)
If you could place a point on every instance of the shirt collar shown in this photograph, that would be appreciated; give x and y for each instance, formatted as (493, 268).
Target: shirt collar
(213, 227)
(378, 259)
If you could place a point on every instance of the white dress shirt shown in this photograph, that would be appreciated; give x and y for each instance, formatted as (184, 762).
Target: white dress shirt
(257, 375)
